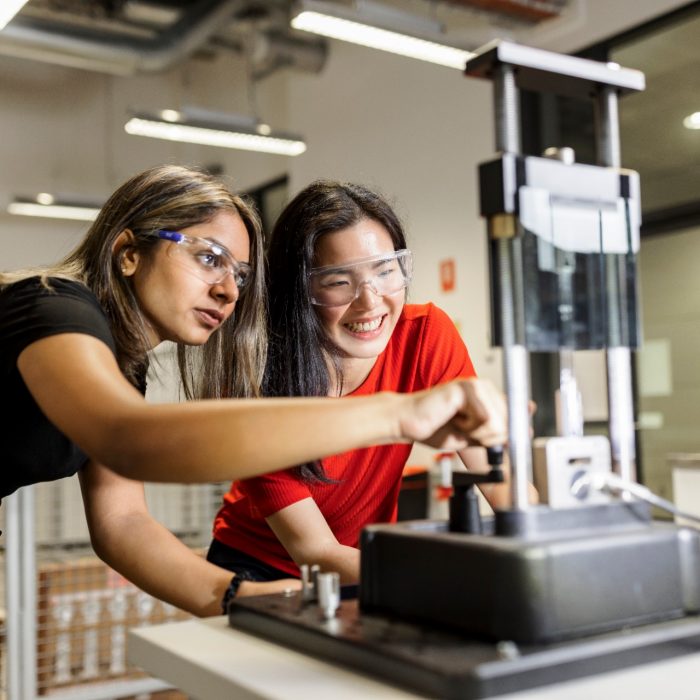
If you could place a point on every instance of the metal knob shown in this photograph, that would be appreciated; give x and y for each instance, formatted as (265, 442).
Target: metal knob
(328, 594)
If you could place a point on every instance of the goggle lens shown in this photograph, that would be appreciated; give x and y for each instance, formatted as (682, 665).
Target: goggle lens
(341, 285)
(206, 260)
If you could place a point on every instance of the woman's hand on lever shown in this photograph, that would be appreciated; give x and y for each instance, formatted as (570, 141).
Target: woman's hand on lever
(454, 415)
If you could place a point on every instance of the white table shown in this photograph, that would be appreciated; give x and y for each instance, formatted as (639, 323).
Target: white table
(208, 660)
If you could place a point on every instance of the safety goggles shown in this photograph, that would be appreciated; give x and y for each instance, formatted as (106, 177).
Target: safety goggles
(337, 285)
(205, 259)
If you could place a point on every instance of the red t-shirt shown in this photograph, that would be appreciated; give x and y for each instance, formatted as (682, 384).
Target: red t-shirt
(424, 350)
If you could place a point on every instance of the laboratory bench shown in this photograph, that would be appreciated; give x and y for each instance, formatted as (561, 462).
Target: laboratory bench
(208, 660)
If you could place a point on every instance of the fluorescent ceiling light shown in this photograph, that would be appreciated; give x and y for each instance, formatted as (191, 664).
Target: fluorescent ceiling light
(692, 121)
(361, 27)
(46, 206)
(8, 9)
(214, 129)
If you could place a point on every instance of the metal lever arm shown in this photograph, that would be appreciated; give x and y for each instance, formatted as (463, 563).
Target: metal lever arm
(464, 504)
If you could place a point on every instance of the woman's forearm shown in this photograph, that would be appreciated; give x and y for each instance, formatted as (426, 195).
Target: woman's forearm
(304, 532)
(91, 403)
(153, 559)
(245, 438)
(126, 536)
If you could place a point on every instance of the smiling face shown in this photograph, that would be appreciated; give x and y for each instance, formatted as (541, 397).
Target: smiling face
(176, 304)
(362, 328)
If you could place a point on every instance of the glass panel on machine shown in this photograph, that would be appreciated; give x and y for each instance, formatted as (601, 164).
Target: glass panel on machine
(578, 273)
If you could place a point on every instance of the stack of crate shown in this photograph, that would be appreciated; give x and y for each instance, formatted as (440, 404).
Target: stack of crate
(84, 610)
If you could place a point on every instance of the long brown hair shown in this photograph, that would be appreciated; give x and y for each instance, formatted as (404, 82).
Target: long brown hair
(232, 361)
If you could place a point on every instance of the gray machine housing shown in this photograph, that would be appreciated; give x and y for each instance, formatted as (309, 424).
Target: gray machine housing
(578, 572)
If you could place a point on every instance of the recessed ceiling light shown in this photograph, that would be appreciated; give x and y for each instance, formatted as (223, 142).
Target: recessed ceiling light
(8, 9)
(692, 121)
(214, 129)
(372, 25)
(45, 198)
(47, 206)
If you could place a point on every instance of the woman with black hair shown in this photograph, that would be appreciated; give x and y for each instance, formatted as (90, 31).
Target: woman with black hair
(338, 269)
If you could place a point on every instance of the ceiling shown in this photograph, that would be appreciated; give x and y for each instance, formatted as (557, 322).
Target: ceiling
(129, 36)
(126, 37)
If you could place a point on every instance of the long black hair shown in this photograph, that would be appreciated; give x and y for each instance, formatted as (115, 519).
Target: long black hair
(299, 349)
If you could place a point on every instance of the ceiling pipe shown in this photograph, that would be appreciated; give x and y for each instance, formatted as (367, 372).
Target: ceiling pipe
(269, 52)
(118, 55)
(557, 34)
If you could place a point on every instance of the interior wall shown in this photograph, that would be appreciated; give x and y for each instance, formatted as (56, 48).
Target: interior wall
(415, 132)
(669, 373)
(67, 138)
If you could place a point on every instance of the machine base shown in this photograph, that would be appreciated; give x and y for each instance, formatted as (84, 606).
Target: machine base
(441, 663)
(564, 574)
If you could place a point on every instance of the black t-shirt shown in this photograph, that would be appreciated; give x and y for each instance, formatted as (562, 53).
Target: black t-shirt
(32, 448)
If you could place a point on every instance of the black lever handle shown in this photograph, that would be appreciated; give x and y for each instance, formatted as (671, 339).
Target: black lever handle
(494, 454)
(464, 504)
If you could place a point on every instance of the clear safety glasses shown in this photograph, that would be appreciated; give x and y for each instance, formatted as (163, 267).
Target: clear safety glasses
(337, 285)
(206, 260)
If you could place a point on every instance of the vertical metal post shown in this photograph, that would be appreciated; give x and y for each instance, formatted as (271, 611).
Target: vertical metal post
(12, 596)
(618, 358)
(29, 586)
(608, 128)
(20, 588)
(568, 407)
(506, 109)
(515, 356)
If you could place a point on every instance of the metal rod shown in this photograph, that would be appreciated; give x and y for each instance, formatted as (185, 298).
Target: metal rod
(28, 585)
(567, 403)
(621, 412)
(515, 365)
(20, 591)
(618, 358)
(12, 596)
(517, 385)
(506, 110)
(608, 128)
(515, 355)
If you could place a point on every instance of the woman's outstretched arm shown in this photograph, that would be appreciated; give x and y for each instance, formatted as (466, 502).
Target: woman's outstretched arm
(127, 537)
(75, 380)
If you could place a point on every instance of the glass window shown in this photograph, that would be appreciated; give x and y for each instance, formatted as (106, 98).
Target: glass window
(666, 154)
(654, 141)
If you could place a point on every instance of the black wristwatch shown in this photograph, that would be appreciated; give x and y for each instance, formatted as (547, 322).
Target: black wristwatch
(233, 587)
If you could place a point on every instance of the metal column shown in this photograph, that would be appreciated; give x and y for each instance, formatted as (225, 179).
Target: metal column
(618, 357)
(20, 591)
(515, 355)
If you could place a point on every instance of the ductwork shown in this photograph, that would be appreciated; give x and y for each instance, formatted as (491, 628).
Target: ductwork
(117, 55)
(271, 51)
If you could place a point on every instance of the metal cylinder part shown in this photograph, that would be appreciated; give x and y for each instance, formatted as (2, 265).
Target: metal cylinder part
(308, 592)
(328, 593)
